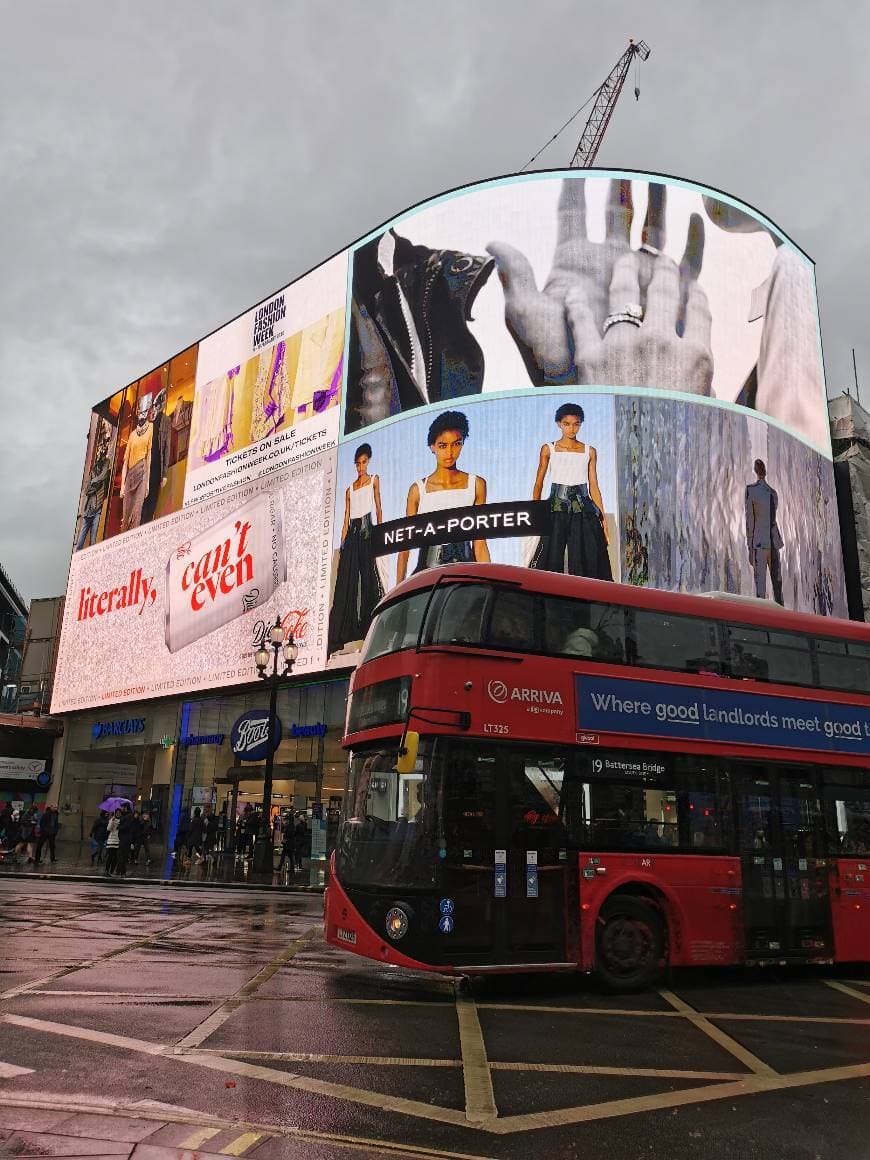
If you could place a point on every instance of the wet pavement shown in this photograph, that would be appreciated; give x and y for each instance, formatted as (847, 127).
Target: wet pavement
(74, 861)
(158, 1023)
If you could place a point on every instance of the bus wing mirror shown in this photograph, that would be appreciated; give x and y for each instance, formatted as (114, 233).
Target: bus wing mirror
(407, 758)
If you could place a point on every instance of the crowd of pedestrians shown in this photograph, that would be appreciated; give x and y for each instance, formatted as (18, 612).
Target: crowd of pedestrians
(120, 838)
(25, 833)
(126, 837)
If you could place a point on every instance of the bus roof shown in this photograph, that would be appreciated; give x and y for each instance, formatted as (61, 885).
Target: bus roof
(711, 606)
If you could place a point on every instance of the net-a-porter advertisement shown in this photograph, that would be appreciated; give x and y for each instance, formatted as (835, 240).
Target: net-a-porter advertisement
(604, 374)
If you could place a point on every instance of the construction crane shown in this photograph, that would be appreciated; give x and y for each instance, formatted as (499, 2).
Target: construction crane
(605, 102)
(604, 98)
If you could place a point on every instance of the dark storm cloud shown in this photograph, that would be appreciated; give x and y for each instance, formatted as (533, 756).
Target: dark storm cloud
(164, 166)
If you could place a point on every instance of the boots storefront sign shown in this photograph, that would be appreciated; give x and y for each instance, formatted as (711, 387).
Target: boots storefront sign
(250, 736)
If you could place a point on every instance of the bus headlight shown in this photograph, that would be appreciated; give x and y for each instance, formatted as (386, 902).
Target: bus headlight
(397, 923)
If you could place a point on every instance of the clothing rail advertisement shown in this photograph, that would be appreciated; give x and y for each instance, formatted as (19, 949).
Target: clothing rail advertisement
(604, 374)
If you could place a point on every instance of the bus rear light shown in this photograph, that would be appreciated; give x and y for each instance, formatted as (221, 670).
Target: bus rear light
(585, 905)
(732, 905)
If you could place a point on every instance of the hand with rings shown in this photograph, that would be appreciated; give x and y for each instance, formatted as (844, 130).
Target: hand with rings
(665, 345)
(537, 319)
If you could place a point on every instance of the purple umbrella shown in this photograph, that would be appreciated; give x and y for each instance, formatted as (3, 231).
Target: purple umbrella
(114, 803)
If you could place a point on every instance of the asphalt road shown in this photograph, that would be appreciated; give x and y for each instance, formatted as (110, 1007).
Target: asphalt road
(158, 1022)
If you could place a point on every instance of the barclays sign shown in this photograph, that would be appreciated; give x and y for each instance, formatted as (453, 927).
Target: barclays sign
(250, 739)
(117, 728)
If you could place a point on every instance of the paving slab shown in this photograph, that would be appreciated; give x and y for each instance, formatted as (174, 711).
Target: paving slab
(43, 1144)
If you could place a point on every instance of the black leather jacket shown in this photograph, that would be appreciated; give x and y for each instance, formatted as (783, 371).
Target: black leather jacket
(440, 287)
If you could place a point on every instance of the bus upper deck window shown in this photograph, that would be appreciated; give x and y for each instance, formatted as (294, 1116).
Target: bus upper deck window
(397, 626)
(580, 628)
(457, 614)
(843, 665)
(514, 621)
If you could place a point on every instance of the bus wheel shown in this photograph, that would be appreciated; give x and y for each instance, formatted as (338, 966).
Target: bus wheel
(630, 944)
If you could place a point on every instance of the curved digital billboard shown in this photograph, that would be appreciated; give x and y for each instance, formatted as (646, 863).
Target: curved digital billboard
(609, 374)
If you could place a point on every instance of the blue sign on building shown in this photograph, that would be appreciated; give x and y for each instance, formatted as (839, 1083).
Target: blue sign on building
(249, 737)
(117, 728)
(614, 705)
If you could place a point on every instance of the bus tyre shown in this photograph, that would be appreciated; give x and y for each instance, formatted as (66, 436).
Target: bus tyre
(629, 944)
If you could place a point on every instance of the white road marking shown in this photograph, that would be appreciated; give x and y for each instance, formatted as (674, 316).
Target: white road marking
(837, 986)
(722, 1038)
(751, 1084)
(24, 988)
(208, 1026)
(479, 1096)
(10, 1070)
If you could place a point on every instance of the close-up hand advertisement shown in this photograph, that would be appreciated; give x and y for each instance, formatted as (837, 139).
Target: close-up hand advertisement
(607, 375)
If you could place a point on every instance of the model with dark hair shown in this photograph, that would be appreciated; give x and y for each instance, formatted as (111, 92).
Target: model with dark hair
(577, 541)
(447, 487)
(358, 586)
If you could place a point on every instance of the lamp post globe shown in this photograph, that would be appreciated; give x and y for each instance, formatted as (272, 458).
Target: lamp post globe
(274, 642)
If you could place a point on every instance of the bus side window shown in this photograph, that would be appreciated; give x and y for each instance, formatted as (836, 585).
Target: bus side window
(843, 665)
(686, 643)
(583, 629)
(457, 615)
(769, 656)
(514, 621)
(630, 817)
(848, 825)
(706, 812)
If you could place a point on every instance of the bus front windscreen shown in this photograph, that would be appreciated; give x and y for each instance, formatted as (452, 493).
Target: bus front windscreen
(389, 831)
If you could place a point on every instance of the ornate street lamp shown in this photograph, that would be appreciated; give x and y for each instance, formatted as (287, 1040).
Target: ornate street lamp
(263, 849)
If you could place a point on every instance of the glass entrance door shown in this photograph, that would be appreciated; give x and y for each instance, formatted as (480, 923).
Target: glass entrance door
(786, 902)
(506, 858)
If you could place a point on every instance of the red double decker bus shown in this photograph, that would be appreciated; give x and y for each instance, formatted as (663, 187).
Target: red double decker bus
(552, 773)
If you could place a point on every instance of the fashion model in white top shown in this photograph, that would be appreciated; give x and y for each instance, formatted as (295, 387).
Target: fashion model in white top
(358, 584)
(577, 540)
(447, 487)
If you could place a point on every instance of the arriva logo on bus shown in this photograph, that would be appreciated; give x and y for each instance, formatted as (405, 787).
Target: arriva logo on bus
(536, 699)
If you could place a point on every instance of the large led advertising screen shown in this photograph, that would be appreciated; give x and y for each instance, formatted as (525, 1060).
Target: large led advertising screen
(609, 374)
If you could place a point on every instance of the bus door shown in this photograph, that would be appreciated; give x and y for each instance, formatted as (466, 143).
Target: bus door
(506, 859)
(786, 901)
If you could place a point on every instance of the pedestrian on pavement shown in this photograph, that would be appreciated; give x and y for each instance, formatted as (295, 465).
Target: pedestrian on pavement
(195, 836)
(147, 832)
(8, 826)
(210, 831)
(247, 830)
(181, 835)
(288, 841)
(98, 835)
(48, 828)
(27, 826)
(300, 840)
(113, 842)
(135, 838)
(125, 839)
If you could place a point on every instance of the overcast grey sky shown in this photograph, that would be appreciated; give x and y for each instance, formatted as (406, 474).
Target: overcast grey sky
(164, 165)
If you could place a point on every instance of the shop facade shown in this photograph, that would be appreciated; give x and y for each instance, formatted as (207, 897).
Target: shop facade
(174, 755)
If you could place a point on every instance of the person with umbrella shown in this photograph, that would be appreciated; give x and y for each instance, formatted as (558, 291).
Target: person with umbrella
(113, 842)
(125, 838)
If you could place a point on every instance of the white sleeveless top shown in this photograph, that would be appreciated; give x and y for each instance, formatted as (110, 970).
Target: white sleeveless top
(569, 468)
(452, 497)
(362, 500)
